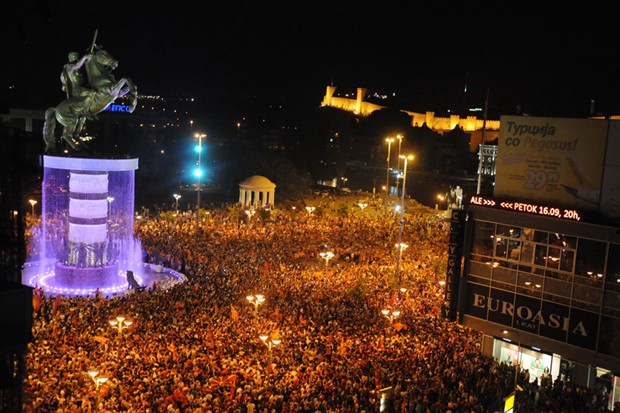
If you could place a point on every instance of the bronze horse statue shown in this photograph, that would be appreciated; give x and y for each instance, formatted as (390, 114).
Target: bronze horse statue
(72, 112)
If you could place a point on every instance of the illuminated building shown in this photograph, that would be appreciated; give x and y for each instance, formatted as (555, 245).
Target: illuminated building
(536, 266)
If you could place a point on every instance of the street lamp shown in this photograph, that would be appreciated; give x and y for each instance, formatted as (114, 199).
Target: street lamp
(176, 202)
(250, 213)
(518, 365)
(98, 380)
(328, 255)
(387, 173)
(401, 246)
(390, 315)
(441, 199)
(270, 340)
(400, 141)
(33, 202)
(256, 300)
(402, 214)
(198, 171)
(120, 323)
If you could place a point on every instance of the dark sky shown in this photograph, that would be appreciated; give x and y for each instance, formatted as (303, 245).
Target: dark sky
(547, 59)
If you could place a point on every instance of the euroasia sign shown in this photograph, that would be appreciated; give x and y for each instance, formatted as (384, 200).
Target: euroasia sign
(545, 318)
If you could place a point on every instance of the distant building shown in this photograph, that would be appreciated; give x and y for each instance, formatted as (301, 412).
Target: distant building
(536, 266)
(469, 124)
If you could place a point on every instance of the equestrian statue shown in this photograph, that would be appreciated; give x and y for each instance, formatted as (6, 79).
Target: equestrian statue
(87, 96)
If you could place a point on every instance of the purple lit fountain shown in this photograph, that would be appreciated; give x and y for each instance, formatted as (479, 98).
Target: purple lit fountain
(86, 241)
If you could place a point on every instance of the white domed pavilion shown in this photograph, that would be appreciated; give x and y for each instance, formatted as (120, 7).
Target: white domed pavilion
(257, 191)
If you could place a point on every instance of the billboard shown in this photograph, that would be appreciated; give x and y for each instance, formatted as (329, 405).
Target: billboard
(559, 161)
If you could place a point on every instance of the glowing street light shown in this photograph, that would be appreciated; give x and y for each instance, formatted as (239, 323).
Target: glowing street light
(32, 202)
(328, 255)
(250, 213)
(402, 215)
(120, 323)
(198, 171)
(387, 172)
(400, 141)
(269, 340)
(391, 315)
(401, 246)
(256, 300)
(98, 380)
(176, 202)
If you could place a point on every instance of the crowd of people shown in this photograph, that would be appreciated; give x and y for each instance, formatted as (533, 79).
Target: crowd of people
(318, 343)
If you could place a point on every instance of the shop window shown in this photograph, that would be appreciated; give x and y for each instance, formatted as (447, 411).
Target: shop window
(527, 252)
(508, 231)
(590, 257)
(541, 237)
(553, 258)
(540, 257)
(501, 247)
(567, 260)
(484, 236)
(613, 267)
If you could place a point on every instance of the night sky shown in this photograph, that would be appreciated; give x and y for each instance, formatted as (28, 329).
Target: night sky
(538, 59)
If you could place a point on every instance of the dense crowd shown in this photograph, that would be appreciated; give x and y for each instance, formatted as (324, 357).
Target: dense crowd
(194, 347)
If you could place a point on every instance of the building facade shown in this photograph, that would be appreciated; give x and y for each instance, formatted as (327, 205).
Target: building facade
(536, 265)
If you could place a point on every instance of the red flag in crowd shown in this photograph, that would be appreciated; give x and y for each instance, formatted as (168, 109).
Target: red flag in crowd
(36, 302)
(56, 303)
(233, 313)
(394, 297)
(399, 326)
(210, 340)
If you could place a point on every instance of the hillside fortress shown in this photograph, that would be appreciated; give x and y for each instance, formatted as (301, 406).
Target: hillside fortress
(469, 124)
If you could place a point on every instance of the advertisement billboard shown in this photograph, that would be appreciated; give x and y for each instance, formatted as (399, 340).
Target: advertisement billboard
(559, 161)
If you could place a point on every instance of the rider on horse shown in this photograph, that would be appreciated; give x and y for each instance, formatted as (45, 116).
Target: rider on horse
(72, 76)
(85, 99)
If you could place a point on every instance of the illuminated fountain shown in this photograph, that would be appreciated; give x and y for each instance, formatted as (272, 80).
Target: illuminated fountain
(86, 241)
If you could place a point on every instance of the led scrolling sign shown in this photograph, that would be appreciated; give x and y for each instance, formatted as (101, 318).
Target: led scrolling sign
(527, 207)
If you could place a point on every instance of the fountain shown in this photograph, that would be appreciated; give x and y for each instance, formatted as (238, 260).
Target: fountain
(86, 243)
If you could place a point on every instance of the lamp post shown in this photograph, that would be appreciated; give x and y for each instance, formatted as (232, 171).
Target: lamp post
(518, 365)
(328, 255)
(391, 315)
(256, 300)
(176, 202)
(401, 246)
(441, 199)
(98, 380)
(400, 141)
(387, 173)
(250, 213)
(198, 171)
(32, 202)
(402, 215)
(120, 324)
(270, 341)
